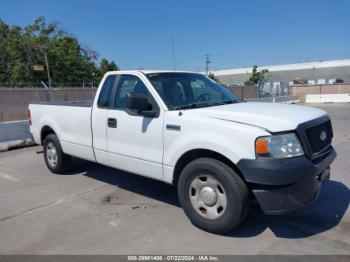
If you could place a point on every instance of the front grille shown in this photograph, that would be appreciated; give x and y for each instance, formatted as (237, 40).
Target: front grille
(319, 137)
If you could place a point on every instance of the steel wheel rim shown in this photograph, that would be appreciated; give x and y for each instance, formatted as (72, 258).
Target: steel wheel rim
(51, 154)
(208, 197)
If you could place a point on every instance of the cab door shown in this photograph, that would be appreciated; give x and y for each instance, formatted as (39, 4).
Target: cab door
(135, 142)
(99, 118)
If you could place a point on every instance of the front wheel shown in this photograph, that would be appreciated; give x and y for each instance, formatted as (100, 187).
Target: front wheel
(57, 161)
(212, 195)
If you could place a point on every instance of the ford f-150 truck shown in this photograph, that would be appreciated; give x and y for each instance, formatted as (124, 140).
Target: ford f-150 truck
(185, 129)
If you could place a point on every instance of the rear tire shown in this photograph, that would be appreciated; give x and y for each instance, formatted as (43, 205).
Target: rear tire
(57, 161)
(213, 196)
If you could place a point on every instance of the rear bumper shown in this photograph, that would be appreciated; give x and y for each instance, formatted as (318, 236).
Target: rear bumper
(283, 185)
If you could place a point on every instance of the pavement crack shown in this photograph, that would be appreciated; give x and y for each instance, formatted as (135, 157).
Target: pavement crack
(50, 204)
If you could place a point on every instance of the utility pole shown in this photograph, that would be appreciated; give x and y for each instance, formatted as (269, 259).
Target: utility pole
(207, 62)
(43, 50)
(48, 74)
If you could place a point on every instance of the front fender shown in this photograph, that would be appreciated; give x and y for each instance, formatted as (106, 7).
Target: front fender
(205, 140)
(232, 140)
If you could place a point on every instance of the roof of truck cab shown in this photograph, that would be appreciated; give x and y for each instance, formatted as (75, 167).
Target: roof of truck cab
(150, 71)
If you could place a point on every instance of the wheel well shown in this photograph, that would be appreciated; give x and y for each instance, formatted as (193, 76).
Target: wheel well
(45, 131)
(198, 153)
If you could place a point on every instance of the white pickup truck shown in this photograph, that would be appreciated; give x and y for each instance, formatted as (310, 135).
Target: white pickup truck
(184, 129)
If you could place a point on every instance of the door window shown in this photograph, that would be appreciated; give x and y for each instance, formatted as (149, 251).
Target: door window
(130, 84)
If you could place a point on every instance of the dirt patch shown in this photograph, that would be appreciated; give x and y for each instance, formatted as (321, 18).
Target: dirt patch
(112, 199)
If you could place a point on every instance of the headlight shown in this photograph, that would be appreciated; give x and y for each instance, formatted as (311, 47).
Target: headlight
(278, 146)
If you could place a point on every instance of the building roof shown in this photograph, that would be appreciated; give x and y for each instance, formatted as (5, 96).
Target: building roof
(149, 71)
(286, 67)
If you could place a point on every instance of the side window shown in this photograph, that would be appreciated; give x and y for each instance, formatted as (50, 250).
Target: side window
(129, 84)
(103, 100)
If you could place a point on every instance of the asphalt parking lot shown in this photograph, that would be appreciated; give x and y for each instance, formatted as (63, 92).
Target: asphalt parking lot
(99, 210)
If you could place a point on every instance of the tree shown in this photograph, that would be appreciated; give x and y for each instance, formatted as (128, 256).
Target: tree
(254, 79)
(103, 68)
(69, 61)
(257, 76)
(213, 77)
(258, 79)
(106, 66)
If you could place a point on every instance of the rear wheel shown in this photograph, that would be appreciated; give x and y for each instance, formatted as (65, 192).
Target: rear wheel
(212, 195)
(57, 161)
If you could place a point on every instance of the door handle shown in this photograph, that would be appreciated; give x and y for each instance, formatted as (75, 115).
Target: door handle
(112, 122)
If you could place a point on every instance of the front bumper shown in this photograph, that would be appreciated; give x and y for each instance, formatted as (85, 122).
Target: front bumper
(283, 185)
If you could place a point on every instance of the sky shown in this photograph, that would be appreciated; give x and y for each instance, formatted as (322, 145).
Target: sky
(236, 33)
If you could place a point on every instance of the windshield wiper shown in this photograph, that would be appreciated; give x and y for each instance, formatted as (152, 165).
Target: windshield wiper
(205, 104)
(225, 102)
(192, 105)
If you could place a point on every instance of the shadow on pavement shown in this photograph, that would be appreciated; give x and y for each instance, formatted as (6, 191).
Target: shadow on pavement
(321, 216)
(137, 184)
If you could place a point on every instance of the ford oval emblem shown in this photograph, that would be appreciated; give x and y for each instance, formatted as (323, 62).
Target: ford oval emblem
(323, 135)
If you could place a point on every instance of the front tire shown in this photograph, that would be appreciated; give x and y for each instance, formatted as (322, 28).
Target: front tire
(57, 161)
(212, 195)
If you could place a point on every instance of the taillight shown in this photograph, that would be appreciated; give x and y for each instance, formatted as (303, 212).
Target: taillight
(29, 117)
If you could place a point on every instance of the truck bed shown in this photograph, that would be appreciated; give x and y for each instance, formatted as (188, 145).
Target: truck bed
(71, 122)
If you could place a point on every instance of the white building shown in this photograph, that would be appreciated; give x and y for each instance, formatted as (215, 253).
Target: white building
(280, 77)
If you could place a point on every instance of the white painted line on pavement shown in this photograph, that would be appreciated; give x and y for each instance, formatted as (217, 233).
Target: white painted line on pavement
(8, 177)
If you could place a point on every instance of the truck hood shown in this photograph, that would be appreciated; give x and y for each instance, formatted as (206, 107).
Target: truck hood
(269, 116)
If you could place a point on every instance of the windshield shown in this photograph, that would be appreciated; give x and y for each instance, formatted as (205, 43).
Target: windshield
(190, 90)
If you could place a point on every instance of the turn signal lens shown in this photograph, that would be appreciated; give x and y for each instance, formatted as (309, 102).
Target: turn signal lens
(261, 146)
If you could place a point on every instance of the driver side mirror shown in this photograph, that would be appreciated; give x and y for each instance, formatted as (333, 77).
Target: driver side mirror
(140, 103)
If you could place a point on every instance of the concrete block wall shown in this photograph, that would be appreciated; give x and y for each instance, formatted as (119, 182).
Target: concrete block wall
(244, 91)
(15, 134)
(302, 90)
(328, 98)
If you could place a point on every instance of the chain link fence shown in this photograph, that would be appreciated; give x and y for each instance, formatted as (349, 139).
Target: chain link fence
(81, 84)
(14, 101)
